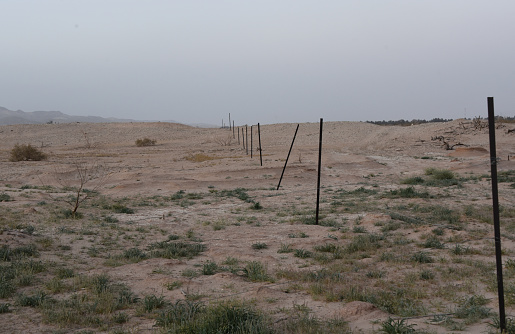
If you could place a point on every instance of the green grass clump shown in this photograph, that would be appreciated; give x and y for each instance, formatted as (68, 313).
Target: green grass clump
(256, 272)
(93, 308)
(439, 174)
(473, 309)
(176, 249)
(259, 245)
(396, 326)
(413, 180)
(409, 192)
(433, 242)
(120, 208)
(152, 302)
(240, 193)
(8, 254)
(210, 268)
(225, 318)
(34, 300)
(302, 253)
(422, 257)
(364, 242)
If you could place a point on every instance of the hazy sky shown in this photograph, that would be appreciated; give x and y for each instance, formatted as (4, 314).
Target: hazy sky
(262, 61)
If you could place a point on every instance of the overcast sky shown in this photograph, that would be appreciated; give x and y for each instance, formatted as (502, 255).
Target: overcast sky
(265, 61)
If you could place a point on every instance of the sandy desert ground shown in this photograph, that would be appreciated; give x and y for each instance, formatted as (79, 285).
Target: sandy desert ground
(394, 240)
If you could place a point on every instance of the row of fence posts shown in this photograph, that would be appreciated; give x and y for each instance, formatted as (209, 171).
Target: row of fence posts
(245, 138)
(495, 195)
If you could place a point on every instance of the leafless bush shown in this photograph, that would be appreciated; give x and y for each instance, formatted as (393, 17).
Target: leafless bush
(226, 141)
(76, 178)
(479, 124)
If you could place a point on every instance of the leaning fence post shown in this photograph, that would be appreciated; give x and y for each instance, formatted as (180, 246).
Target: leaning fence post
(319, 169)
(247, 139)
(251, 144)
(260, 150)
(495, 200)
(288, 157)
(233, 130)
(238, 136)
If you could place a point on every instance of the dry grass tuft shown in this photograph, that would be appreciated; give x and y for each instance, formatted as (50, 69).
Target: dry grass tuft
(200, 157)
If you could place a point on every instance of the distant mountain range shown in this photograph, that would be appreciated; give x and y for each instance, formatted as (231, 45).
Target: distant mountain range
(10, 117)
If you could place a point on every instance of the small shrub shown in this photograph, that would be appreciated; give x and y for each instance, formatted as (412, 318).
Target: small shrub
(433, 242)
(64, 273)
(7, 287)
(145, 142)
(4, 197)
(120, 318)
(359, 229)
(209, 268)
(440, 174)
(134, 255)
(119, 208)
(259, 245)
(26, 153)
(413, 180)
(4, 308)
(427, 275)
(256, 206)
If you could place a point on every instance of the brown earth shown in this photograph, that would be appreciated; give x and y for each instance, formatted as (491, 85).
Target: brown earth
(354, 155)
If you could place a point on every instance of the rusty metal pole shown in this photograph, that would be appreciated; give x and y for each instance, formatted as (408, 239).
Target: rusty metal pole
(495, 200)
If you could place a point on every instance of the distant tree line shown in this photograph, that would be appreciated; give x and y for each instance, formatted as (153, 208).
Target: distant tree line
(403, 122)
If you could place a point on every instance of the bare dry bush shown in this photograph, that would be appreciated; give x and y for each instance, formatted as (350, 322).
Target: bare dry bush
(76, 178)
(225, 141)
(26, 153)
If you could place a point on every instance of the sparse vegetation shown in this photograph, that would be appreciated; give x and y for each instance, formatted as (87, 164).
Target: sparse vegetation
(411, 242)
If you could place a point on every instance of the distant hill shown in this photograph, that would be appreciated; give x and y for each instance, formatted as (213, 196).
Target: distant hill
(9, 117)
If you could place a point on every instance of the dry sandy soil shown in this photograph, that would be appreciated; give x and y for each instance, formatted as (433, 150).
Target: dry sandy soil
(202, 163)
